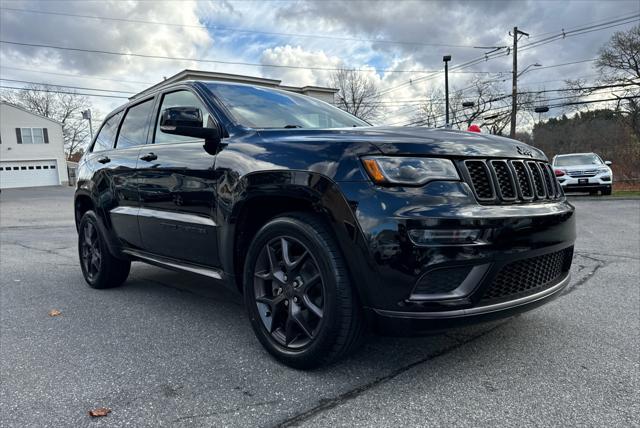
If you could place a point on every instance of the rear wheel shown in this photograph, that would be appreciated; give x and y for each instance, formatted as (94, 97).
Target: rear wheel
(300, 301)
(99, 267)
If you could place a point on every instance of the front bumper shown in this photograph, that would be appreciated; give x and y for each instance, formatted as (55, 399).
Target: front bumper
(600, 181)
(408, 323)
(390, 268)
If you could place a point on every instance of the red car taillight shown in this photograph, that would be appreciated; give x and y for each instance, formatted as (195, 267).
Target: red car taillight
(559, 172)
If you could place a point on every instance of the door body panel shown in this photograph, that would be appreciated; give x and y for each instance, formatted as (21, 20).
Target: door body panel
(177, 203)
(115, 188)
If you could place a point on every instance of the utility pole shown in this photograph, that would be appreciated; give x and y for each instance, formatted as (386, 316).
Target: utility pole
(446, 60)
(514, 88)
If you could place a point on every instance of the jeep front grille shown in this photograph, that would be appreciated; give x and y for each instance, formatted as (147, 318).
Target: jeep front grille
(506, 181)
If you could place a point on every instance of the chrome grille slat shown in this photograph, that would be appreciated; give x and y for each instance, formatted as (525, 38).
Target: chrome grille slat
(497, 181)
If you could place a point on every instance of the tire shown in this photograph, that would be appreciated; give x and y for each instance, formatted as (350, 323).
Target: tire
(303, 308)
(593, 193)
(606, 191)
(99, 267)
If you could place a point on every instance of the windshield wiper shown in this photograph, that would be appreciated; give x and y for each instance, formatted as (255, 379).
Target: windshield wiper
(292, 126)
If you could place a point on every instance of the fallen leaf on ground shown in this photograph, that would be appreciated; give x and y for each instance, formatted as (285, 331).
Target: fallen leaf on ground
(100, 411)
(54, 313)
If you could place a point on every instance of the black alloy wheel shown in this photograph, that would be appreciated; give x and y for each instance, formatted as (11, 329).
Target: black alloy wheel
(90, 253)
(298, 294)
(100, 268)
(289, 291)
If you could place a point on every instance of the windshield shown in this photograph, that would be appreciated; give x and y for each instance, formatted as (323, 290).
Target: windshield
(257, 107)
(574, 160)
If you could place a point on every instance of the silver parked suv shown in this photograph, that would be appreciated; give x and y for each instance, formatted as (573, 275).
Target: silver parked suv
(583, 172)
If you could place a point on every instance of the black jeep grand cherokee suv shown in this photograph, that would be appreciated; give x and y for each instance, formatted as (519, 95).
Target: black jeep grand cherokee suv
(324, 223)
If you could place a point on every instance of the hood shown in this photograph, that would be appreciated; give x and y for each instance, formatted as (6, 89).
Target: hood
(415, 141)
(585, 167)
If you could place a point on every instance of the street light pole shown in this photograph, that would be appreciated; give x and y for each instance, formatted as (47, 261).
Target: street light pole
(446, 60)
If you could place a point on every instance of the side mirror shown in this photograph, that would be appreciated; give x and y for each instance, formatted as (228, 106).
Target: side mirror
(187, 121)
(608, 163)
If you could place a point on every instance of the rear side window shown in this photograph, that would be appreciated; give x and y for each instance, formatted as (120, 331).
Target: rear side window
(133, 131)
(179, 99)
(107, 135)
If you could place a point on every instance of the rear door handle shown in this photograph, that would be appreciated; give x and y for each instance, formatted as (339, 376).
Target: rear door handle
(149, 157)
(104, 159)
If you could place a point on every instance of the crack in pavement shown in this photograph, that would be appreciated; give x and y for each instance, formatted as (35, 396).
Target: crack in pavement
(222, 412)
(327, 404)
(43, 250)
(589, 253)
(37, 226)
(599, 264)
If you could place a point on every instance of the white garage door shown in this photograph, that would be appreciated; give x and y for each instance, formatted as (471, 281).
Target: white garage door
(28, 173)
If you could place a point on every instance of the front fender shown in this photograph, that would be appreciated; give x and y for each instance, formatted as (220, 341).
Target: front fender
(298, 188)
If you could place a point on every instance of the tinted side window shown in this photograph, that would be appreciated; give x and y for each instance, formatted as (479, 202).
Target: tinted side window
(133, 131)
(179, 99)
(107, 134)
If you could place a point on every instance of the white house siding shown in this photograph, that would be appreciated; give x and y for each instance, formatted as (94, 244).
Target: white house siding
(30, 159)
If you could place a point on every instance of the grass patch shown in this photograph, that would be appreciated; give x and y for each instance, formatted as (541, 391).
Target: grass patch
(627, 193)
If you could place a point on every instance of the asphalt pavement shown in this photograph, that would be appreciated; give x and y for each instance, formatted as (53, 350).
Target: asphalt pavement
(170, 349)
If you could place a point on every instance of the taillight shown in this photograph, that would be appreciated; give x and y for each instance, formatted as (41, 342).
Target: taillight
(559, 172)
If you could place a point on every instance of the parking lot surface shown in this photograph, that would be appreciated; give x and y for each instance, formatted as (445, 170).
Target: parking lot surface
(170, 349)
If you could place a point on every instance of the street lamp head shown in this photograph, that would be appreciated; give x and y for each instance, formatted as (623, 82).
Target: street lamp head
(446, 58)
(468, 104)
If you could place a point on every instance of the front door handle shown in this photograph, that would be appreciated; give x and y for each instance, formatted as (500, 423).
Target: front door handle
(149, 157)
(104, 159)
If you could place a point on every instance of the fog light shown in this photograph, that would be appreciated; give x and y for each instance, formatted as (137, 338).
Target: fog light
(440, 237)
(605, 178)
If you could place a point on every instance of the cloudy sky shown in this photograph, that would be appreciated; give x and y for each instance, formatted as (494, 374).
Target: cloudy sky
(399, 44)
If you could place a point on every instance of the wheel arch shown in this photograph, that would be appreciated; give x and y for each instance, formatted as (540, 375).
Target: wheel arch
(265, 196)
(81, 204)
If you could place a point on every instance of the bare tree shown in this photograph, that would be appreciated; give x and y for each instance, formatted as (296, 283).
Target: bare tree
(357, 94)
(484, 95)
(57, 104)
(430, 113)
(619, 62)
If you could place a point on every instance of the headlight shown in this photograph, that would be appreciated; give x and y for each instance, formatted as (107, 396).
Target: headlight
(603, 170)
(411, 171)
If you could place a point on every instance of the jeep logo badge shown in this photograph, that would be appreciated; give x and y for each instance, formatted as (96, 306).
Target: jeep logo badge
(524, 152)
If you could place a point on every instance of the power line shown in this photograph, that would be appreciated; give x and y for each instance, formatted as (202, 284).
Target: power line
(61, 92)
(237, 30)
(503, 109)
(581, 25)
(252, 64)
(561, 35)
(64, 86)
(81, 76)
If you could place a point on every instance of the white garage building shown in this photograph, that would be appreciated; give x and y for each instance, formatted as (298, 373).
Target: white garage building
(31, 149)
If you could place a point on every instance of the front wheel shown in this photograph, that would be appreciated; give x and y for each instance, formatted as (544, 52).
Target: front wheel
(99, 267)
(299, 298)
(606, 191)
